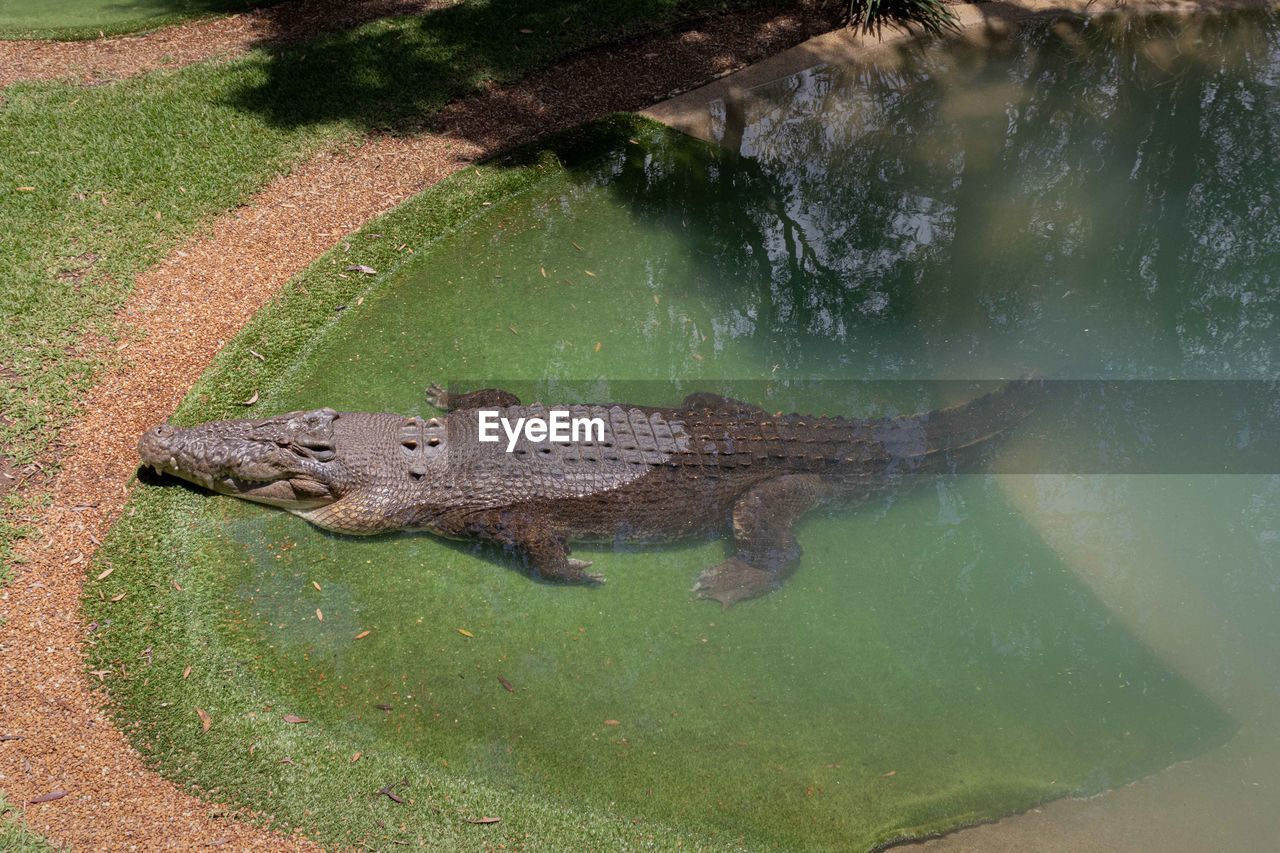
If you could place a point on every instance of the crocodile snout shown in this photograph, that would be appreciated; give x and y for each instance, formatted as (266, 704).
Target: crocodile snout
(153, 447)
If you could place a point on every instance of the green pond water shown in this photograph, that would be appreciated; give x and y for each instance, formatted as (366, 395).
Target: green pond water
(1084, 201)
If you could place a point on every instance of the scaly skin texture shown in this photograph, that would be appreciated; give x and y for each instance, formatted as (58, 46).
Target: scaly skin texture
(658, 473)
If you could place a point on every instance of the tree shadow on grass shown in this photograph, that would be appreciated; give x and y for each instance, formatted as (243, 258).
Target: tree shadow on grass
(396, 75)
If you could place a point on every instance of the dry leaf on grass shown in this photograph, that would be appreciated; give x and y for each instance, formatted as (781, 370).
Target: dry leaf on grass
(464, 632)
(294, 718)
(205, 719)
(363, 634)
(251, 400)
(483, 820)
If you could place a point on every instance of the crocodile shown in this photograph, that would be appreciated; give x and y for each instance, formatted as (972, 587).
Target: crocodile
(708, 465)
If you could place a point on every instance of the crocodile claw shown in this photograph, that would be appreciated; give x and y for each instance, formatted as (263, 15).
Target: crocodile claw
(577, 567)
(437, 396)
(732, 581)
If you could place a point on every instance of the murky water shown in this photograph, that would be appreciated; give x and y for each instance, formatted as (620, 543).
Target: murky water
(1088, 202)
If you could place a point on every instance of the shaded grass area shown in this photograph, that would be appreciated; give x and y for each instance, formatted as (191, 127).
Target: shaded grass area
(16, 838)
(586, 653)
(87, 19)
(98, 183)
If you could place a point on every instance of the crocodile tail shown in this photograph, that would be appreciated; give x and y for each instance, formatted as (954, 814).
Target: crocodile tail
(962, 431)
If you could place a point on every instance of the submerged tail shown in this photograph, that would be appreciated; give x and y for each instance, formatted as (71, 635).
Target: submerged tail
(958, 436)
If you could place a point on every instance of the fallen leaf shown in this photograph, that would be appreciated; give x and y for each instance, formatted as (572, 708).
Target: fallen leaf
(259, 356)
(598, 346)
(543, 270)
(106, 574)
(355, 758)
(613, 722)
(289, 761)
(100, 673)
(590, 273)
(293, 718)
(512, 330)
(576, 246)
(205, 719)
(367, 270)
(480, 820)
(119, 597)
(506, 685)
(526, 31)
(251, 400)
(382, 707)
(157, 216)
(316, 585)
(656, 300)
(319, 615)
(186, 673)
(26, 189)
(4, 738)
(48, 798)
(464, 632)
(362, 635)
(890, 773)
(697, 357)
(176, 585)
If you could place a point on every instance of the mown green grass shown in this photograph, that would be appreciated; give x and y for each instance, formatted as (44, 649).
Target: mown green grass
(86, 19)
(98, 183)
(14, 836)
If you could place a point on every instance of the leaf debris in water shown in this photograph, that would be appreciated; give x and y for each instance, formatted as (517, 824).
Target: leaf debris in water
(506, 685)
(205, 719)
(464, 632)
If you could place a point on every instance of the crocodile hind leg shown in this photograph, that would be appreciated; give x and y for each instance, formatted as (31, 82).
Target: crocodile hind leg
(766, 547)
(485, 398)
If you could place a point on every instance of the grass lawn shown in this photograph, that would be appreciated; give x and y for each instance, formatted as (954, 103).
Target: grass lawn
(82, 19)
(98, 183)
(16, 838)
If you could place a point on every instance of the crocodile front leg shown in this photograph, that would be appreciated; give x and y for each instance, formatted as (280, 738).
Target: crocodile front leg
(530, 539)
(484, 398)
(766, 546)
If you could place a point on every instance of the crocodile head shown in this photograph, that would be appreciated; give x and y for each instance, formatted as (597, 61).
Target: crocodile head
(288, 461)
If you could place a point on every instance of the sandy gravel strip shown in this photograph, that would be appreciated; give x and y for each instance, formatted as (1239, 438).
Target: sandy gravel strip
(188, 306)
(105, 59)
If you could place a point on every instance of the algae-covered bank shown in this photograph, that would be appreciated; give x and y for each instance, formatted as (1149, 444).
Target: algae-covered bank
(934, 662)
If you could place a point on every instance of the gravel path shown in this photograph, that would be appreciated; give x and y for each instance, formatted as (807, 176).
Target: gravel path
(187, 306)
